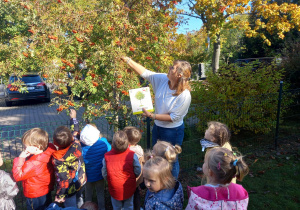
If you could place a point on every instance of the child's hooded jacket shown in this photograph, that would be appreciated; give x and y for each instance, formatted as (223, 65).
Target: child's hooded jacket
(93, 150)
(69, 170)
(233, 196)
(156, 201)
(35, 172)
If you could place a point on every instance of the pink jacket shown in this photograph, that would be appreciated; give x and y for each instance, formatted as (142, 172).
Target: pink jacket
(234, 196)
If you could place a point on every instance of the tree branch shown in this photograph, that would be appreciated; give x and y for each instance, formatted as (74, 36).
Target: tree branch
(191, 15)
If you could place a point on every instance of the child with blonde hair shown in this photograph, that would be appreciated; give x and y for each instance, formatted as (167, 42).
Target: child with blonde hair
(134, 136)
(8, 189)
(121, 167)
(216, 135)
(33, 167)
(220, 167)
(164, 192)
(166, 150)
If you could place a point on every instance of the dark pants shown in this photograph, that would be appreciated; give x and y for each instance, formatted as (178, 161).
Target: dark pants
(172, 135)
(75, 200)
(39, 203)
(137, 199)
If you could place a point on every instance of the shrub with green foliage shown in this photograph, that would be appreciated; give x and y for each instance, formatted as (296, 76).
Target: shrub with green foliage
(245, 98)
(291, 62)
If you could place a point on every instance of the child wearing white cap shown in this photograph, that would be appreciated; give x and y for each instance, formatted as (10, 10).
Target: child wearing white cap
(93, 149)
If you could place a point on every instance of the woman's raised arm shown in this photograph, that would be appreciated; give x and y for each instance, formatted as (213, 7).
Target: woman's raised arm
(139, 69)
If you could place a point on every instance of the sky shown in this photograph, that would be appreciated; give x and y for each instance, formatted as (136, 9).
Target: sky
(192, 23)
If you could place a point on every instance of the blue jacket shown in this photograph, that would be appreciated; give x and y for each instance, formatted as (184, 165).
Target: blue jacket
(158, 200)
(93, 156)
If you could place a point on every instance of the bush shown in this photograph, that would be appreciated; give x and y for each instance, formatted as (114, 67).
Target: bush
(241, 97)
(291, 62)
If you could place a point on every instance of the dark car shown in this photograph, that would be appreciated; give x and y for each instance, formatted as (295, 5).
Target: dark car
(36, 87)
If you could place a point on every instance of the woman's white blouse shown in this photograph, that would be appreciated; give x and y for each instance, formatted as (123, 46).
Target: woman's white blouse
(165, 102)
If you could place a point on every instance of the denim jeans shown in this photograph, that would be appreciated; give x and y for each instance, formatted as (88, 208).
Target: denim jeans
(172, 135)
(125, 204)
(75, 200)
(39, 203)
(89, 188)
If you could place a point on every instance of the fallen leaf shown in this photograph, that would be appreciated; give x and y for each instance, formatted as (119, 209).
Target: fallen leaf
(280, 164)
(261, 172)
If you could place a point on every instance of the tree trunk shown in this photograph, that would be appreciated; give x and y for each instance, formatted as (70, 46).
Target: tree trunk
(216, 54)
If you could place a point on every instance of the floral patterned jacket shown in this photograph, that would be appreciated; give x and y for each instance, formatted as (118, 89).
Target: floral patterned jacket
(69, 170)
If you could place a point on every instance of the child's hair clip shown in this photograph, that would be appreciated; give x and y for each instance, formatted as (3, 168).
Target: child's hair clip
(234, 154)
(225, 154)
(167, 148)
(234, 162)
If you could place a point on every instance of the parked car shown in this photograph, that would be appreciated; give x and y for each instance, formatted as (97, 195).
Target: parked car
(36, 87)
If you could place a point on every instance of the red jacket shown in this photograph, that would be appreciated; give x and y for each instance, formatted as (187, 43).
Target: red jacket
(120, 174)
(36, 173)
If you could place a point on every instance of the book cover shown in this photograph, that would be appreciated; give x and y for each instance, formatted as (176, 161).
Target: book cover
(140, 98)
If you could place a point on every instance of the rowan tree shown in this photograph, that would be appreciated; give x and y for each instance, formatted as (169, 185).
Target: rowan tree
(78, 44)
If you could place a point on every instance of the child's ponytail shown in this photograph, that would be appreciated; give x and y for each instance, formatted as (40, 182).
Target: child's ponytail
(241, 168)
(166, 150)
(148, 155)
(178, 149)
(171, 153)
(226, 165)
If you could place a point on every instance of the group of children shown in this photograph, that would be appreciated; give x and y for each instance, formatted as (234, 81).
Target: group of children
(83, 160)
